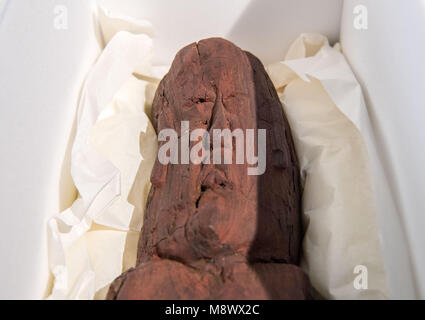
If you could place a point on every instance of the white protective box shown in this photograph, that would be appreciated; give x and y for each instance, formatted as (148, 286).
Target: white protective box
(42, 68)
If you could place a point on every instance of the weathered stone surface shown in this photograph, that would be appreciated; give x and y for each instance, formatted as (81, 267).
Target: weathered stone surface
(211, 231)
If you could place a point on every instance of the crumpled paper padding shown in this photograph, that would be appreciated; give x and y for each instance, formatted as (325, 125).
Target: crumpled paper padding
(113, 145)
(115, 136)
(327, 115)
(110, 24)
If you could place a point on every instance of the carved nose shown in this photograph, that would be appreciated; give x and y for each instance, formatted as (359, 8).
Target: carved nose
(219, 119)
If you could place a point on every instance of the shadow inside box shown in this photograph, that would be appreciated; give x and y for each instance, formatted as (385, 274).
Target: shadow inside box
(275, 252)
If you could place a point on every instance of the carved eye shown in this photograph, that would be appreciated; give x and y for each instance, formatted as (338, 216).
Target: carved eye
(193, 102)
(235, 102)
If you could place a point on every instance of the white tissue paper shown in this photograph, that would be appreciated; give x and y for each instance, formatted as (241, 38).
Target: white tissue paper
(95, 240)
(325, 108)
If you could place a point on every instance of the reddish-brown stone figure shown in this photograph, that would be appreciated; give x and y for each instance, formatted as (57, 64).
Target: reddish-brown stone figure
(211, 231)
